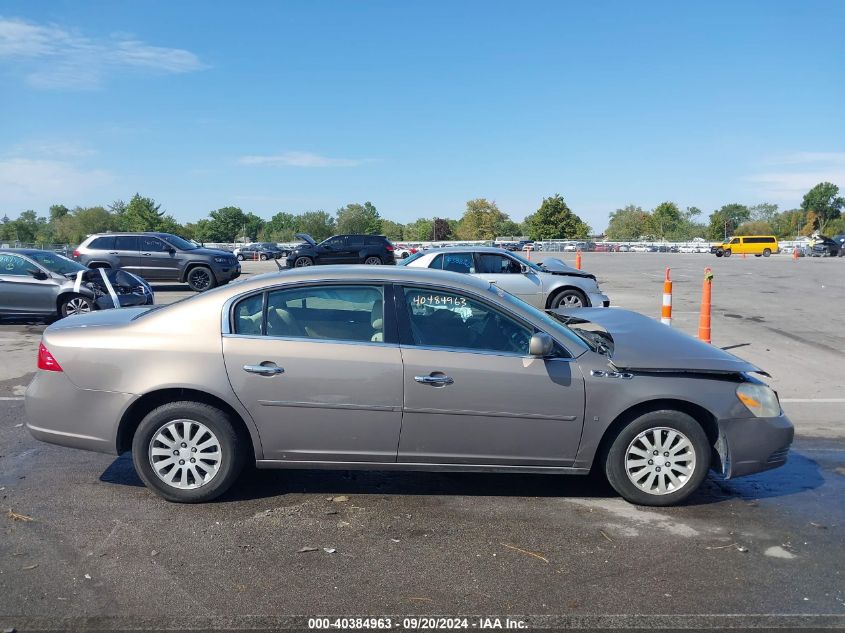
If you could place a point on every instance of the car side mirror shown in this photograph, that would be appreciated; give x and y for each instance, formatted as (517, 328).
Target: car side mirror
(524, 269)
(171, 250)
(37, 274)
(541, 345)
(327, 247)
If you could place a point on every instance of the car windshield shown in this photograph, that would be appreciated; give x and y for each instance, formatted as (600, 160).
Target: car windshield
(410, 258)
(178, 242)
(578, 343)
(56, 263)
(525, 262)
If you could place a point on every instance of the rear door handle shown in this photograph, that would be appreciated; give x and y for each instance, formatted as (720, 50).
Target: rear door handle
(264, 370)
(112, 252)
(435, 380)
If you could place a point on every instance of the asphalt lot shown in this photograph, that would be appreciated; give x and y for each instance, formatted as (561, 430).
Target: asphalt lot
(101, 545)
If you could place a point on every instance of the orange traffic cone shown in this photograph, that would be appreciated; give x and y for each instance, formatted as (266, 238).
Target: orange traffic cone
(706, 295)
(666, 315)
(795, 254)
(578, 259)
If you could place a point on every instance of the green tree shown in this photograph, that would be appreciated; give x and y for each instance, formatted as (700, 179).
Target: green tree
(509, 228)
(421, 230)
(358, 219)
(764, 212)
(281, 227)
(392, 230)
(788, 224)
(481, 220)
(317, 224)
(824, 200)
(666, 219)
(726, 220)
(555, 221)
(225, 224)
(58, 211)
(628, 223)
(754, 227)
(141, 214)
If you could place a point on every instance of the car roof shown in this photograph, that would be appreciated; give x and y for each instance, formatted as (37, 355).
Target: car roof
(118, 233)
(473, 249)
(26, 251)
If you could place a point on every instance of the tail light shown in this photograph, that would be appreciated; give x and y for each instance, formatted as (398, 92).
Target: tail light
(76, 253)
(46, 360)
(389, 248)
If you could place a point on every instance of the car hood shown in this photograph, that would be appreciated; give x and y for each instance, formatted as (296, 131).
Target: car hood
(209, 251)
(557, 267)
(306, 238)
(641, 343)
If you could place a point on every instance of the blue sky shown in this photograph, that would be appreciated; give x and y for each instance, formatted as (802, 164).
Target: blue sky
(419, 106)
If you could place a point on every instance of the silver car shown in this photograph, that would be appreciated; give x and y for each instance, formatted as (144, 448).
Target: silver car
(397, 368)
(43, 283)
(549, 284)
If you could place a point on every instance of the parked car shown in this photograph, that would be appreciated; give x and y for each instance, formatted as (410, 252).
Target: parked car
(159, 257)
(686, 248)
(623, 248)
(548, 284)
(757, 245)
(261, 251)
(342, 249)
(401, 251)
(43, 283)
(840, 240)
(825, 247)
(417, 370)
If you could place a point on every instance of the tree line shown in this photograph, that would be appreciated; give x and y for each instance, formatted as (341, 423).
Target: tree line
(482, 220)
(821, 211)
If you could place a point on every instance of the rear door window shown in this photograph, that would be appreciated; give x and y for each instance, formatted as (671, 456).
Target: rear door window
(105, 243)
(153, 244)
(126, 243)
(327, 313)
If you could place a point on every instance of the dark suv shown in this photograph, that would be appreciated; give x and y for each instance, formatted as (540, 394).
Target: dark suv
(159, 257)
(342, 249)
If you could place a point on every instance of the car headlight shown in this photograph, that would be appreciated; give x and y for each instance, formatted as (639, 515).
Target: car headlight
(759, 399)
(221, 260)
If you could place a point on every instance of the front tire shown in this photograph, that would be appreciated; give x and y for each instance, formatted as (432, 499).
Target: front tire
(201, 279)
(262, 257)
(636, 462)
(172, 435)
(570, 298)
(240, 257)
(75, 304)
(727, 252)
(299, 262)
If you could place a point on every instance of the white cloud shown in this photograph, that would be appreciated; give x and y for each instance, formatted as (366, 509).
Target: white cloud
(34, 182)
(790, 176)
(53, 57)
(299, 159)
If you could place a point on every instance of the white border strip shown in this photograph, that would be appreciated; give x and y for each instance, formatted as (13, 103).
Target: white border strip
(809, 400)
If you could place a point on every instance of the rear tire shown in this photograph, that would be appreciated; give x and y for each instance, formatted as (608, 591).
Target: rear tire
(683, 445)
(240, 257)
(570, 298)
(165, 441)
(766, 252)
(75, 304)
(373, 261)
(262, 257)
(200, 279)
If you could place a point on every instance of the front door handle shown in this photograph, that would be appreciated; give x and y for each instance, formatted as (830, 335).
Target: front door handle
(264, 370)
(437, 381)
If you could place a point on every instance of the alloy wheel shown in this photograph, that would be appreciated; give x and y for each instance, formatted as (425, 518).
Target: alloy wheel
(185, 454)
(373, 261)
(77, 305)
(200, 279)
(302, 261)
(572, 301)
(660, 460)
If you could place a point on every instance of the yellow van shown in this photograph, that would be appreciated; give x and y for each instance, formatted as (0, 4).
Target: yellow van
(757, 245)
